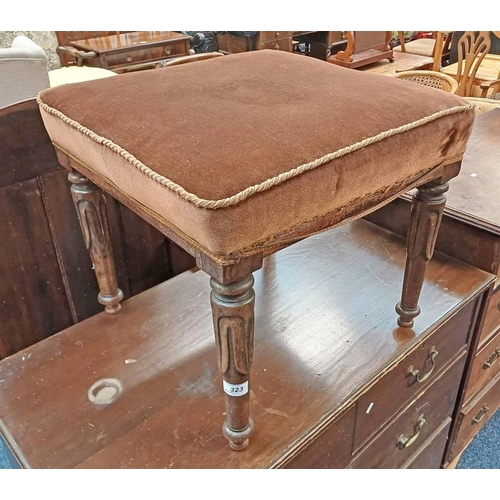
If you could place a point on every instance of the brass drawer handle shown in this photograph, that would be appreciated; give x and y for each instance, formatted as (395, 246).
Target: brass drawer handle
(405, 442)
(480, 414)
(412, 372)
(277, 46)
(492, 358)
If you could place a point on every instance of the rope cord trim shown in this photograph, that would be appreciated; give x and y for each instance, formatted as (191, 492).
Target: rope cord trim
(257, 188)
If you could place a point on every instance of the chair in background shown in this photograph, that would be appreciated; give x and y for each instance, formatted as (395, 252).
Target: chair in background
(475, 70)
(473, 48)
(436, 46)
(23, 71)
(432, 79)
(188, 59)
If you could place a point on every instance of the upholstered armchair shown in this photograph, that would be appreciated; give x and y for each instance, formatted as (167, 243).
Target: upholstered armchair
(23, 71)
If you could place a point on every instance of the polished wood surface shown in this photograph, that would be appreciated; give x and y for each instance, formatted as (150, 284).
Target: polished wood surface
(470, 231)
(141, 388)
(412, 376)
(402, 62)
(479, 179)
(415, 424)
(70, 55)
(332, 448)
(124, 41)
(130, 51)
(47, 282)
(228, 43)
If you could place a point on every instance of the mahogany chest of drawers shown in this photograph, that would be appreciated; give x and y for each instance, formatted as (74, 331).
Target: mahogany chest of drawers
(336, 382)
(470, 231)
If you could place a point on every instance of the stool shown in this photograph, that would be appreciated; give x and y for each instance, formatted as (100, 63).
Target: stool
(290, 146)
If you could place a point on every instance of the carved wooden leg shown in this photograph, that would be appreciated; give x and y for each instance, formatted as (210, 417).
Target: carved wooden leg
(233, 316)
(91, 208)
(426, 213)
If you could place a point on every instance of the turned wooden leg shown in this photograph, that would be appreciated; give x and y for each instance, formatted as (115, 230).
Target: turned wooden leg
(233, 316)
(425, 218)
(91, 208)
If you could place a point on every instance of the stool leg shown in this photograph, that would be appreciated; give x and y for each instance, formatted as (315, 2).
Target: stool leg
(233, 316)
(426, 213)
(91, 208)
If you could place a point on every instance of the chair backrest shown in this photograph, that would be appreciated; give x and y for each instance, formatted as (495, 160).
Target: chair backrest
(436, 45)
(472, 47)
(188, 59)
(23, 71)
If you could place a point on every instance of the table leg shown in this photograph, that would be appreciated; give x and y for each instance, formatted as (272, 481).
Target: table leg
(91, 208)
(233, 317)
(425, 218)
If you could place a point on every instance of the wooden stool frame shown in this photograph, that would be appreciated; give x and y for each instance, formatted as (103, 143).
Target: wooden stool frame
(232, 297)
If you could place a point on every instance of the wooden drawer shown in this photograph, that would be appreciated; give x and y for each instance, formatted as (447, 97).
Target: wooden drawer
(329, 449)
(266, 36)
(284, 44)
(430, 456)
(143, 55)
(474, 415)
(486, 366)
(491, 316)
(398, 386)
(401, 439)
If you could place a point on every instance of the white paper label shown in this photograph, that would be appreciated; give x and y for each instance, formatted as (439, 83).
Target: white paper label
(235, 389)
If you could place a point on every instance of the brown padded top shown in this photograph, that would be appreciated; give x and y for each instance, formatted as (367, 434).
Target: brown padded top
(253, 117)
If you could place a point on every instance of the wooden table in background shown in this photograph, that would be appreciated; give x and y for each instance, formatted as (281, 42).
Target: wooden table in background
(402, 62)
(134, 50)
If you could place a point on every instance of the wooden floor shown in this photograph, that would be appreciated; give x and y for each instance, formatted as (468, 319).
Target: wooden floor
(402, 62)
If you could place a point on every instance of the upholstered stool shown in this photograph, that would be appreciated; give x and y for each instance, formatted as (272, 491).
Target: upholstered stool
(234, 157)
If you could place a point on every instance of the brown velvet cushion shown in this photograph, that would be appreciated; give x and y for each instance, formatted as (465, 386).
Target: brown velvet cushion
(238, 152)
